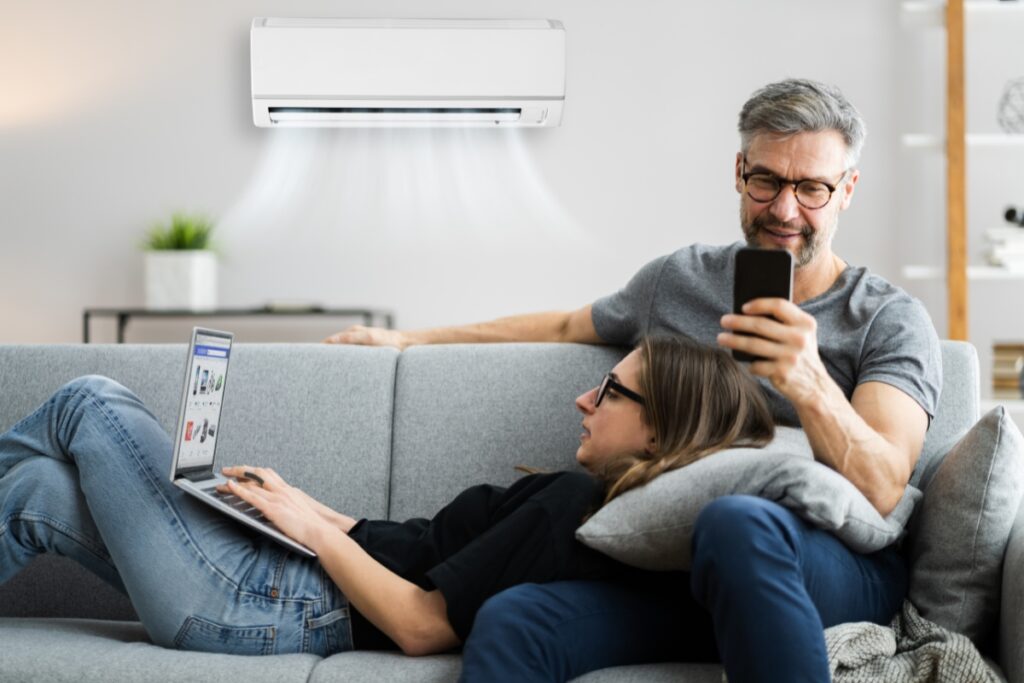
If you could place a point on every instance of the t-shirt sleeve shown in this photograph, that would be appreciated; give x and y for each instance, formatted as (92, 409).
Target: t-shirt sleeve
(623, 317)
(902, 350)
(532, 539)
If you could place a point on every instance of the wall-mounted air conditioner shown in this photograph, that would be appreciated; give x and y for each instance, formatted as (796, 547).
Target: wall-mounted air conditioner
(407, 72)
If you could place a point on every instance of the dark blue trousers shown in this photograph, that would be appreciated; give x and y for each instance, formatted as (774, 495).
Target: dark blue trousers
(763, 587)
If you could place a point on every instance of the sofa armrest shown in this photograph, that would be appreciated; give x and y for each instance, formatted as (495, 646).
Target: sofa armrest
(1011, 609)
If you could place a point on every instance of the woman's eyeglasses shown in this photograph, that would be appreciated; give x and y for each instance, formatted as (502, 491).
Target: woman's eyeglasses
(609, 383)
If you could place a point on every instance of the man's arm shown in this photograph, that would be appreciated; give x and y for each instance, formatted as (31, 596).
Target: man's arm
(873, 440)
(554, 326)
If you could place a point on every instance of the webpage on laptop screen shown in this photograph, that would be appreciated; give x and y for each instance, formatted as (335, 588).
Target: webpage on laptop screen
(203, 400)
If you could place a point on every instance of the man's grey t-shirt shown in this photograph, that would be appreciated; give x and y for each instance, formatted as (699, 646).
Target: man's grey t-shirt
(868, 329)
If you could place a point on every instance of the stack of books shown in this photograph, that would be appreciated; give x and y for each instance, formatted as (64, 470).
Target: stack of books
(1006, 247)
(1007, 363)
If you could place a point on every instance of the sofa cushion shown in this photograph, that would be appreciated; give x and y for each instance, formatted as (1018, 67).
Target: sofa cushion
(85, 650)
(959, 537)
(386, 667)
(651, 526)
(468, 413)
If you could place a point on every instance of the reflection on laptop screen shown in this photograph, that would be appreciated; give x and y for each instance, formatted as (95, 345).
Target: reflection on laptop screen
(200, 426)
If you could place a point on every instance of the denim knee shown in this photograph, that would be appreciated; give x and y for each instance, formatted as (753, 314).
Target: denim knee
(732, 533)
(97, 385)
(513, 639)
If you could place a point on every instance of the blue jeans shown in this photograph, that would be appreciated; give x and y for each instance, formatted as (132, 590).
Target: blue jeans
(87, 476)
(763, 587)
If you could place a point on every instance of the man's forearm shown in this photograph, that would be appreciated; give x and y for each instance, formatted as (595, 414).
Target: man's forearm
(553, 326)
(841, 439)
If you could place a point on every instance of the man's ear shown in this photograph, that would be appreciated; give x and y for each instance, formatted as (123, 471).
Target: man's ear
(739, 172)
(848, 188)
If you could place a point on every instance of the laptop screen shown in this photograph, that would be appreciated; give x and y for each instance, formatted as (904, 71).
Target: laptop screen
(204, 392)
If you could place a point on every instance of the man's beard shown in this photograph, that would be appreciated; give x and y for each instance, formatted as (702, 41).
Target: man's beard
(812, 241)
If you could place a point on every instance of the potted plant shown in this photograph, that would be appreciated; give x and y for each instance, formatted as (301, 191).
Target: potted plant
(181, 267)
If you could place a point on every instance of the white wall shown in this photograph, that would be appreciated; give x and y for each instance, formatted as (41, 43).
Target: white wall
(115, 113)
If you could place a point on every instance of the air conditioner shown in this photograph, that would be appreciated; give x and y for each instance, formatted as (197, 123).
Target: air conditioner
(407, 72)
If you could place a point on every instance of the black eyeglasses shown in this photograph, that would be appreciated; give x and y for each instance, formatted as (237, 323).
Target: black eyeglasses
(764, 187)
(609, 383)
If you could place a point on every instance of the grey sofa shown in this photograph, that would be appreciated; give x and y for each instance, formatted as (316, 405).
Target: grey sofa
(373, 433)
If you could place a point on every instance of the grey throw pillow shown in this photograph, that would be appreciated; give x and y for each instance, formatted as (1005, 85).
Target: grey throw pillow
(958, 539)
(651, 526)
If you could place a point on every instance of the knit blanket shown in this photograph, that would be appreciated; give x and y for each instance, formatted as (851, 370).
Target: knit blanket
(910, 650)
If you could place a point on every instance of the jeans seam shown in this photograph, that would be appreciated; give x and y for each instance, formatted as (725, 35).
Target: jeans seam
(59, 527)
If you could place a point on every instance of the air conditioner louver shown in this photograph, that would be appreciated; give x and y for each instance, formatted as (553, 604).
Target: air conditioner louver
(396, 73)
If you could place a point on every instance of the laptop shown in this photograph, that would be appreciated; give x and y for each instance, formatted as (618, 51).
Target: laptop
(199, 430)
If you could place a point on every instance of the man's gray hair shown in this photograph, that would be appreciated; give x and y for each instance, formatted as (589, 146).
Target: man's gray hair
(802, 106)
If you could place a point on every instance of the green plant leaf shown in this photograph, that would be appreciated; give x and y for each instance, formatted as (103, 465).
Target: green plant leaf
(185, 231)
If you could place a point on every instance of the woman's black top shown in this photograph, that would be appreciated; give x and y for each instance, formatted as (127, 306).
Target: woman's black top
(486, 540)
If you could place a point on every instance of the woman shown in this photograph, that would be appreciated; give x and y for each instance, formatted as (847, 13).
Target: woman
(85, 476)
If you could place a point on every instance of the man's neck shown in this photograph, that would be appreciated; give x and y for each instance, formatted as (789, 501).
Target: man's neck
(815, 279)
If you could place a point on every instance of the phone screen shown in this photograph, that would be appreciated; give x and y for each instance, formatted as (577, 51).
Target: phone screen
(760, 273)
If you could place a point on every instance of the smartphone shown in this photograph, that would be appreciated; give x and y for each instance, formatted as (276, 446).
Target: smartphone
(760, 273)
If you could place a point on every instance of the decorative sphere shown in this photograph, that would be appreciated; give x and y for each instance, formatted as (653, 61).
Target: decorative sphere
(1011, 107)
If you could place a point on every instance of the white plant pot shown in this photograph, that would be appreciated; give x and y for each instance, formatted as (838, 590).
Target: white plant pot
(181, 280)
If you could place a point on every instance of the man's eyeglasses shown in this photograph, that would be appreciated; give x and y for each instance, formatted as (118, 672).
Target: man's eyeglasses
(609, 383)
(765, 187)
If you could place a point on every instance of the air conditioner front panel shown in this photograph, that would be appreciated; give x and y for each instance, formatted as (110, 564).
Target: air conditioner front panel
(407, 64)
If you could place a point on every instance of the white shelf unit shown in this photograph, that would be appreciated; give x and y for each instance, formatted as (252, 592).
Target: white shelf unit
(978, 19)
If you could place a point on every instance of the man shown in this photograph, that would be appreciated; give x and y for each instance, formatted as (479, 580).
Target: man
(852, 359)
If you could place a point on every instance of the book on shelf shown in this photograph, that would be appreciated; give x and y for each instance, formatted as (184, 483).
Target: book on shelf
(1007, 365)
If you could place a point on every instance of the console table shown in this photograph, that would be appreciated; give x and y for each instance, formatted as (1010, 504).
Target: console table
(370, 317)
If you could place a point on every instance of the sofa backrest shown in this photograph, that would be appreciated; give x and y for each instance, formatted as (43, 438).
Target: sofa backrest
(371, 432)
(468, 413)
(959, 406)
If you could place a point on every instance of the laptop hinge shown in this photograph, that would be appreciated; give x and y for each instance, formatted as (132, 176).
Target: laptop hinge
(197, 474)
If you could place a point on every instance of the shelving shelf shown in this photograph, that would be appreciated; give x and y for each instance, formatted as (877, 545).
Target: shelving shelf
(933, 13)
(1014, 405)
(938, 142)
(921, 272)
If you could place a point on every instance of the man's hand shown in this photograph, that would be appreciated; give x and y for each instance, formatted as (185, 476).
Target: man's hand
(788, 344)
(369, 336)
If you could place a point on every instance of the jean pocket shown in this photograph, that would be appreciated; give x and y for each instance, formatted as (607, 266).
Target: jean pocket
(330, 633)
(202, 635)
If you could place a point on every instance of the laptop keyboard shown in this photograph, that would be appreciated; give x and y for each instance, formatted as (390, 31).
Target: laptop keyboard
(241, 506)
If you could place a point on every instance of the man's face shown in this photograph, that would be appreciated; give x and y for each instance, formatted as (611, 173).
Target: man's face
(784, 223)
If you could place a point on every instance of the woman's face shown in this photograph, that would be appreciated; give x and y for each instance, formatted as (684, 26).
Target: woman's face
(616, 427)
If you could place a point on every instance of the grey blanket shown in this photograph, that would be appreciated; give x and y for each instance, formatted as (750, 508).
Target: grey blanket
(910, 650)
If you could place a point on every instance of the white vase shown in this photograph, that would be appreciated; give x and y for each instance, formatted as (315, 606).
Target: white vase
(181, 280)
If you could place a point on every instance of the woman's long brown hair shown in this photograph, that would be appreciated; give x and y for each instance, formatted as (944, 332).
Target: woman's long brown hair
(698, 400)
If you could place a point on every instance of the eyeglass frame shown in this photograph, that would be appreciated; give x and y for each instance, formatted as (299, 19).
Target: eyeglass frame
(783, 182)
(609, 382)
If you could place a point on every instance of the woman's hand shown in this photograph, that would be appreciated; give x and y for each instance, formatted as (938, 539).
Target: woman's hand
(296, 514)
